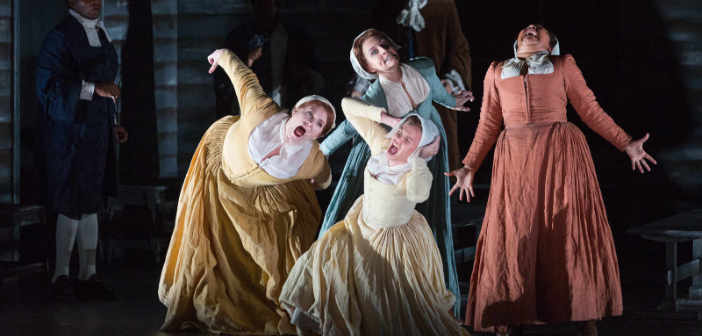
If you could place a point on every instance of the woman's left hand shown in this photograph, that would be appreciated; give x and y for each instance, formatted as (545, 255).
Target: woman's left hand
(213, 58)
(638, 156)
(462, 97)
(431, 149)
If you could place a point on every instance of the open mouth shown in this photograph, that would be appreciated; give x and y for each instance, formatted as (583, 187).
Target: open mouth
(530, 34)
(392, 150)
(299, 131)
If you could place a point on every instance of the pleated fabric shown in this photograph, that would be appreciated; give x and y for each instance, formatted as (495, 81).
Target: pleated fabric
(359, 279)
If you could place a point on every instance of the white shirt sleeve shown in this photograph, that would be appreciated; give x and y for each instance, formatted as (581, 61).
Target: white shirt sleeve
(87, 90)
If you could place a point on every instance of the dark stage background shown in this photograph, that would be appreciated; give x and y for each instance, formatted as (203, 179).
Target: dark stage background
(642, 59)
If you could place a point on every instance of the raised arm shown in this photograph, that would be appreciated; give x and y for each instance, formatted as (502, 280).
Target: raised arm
(58, 85)
(345, 131)
(438, 92)
(366, 119)
(585, 104)
(490, 123)
(248, 90)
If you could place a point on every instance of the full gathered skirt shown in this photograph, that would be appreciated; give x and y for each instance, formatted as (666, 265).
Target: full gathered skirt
(232, 247)
(361, 280)
(545, 252)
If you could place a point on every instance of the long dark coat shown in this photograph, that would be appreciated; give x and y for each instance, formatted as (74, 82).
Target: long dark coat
(77, 134)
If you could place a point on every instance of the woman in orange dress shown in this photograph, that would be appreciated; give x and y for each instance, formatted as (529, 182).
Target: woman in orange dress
(545, 252)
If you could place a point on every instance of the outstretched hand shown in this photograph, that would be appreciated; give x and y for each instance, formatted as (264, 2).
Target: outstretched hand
(462, 97)
(213, 59)
(464, 182)
(638, 155)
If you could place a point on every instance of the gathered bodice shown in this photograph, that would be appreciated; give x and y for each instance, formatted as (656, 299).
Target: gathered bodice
(537, 99)
(524, 99)
(385, 205)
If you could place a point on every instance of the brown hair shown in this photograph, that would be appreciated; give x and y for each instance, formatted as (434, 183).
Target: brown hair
(330, 113)
(358, 45)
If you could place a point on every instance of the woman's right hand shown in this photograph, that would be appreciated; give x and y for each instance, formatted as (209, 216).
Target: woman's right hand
(464, 182)
(213, 58)
(389, 120)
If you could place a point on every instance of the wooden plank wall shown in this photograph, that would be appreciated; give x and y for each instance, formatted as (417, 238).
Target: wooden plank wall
(6, 101)
(683, 20)
(165, 30)
(204, 24)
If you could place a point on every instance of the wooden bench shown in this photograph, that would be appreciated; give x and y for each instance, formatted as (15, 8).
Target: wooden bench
(681, 228)
(13, 219)
(150, 197)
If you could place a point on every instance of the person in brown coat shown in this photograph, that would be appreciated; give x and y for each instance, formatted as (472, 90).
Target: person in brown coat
(545, 252)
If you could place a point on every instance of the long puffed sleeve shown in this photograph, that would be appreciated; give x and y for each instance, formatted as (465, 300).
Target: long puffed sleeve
(438, 92)
(337, 138)
(418, 181)
(365, 118)
(322, 176)
(58, 84)
(585, 104)
(345, 131)
(490, 123)
(252, 98)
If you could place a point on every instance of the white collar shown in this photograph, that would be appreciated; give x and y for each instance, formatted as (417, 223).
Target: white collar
(88, 23)
(266, 137)
(379, 167)
(90, 26)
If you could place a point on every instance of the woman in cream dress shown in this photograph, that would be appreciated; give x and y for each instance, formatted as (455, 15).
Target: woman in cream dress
(247, 211)
(379, 271)
(400, 88)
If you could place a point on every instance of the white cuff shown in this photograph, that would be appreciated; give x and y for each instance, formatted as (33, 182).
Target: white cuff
(87, 90)
(456, 81)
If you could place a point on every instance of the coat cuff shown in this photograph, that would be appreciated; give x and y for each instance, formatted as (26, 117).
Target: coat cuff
(87, 90)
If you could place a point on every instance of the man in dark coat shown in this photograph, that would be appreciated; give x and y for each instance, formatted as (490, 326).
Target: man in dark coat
(77, 67)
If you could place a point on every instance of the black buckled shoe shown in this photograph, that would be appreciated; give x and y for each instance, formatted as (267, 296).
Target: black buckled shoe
(94, 289)
(62, 288)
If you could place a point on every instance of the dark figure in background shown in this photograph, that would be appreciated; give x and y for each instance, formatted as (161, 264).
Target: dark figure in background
(277, 53)
(432, 29)
(76, 70)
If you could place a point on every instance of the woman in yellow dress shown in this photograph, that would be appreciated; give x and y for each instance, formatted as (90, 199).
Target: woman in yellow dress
(247, 210)
(379, 271)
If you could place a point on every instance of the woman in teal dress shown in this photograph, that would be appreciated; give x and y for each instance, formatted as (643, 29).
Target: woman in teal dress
(400, 88)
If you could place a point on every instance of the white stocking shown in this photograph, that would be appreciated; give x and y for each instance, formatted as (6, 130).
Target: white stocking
(87, 245)
(66, 229)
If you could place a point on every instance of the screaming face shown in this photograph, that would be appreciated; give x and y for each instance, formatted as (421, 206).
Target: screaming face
(533, 38)
(403, 143)
(306, 123)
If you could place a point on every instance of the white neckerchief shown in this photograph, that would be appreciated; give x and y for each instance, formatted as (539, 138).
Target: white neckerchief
(379, 168)
(398, 102)
(411, 16)
(266, 137)
(538, 63)
(90, 27)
